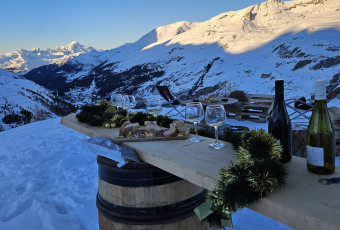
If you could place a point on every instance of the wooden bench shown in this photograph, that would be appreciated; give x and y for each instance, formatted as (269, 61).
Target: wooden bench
(255, 110)
(303, 203)
(261, 98)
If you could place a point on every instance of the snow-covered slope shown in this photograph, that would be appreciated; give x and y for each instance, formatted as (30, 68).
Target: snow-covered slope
(298, 41)
(25, 60)
(254, 26)
(23, 101)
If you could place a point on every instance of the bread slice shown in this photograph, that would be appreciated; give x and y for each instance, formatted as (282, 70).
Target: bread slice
(153, 128)
(172, 131)
(128, 128)
(180, 125)
(146, 123)
(125, 124)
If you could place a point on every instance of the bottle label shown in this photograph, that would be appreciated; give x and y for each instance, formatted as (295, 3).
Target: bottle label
(315, 156)
(320, 90)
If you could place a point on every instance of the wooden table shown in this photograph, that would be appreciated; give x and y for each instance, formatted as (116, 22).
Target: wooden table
(302, 203)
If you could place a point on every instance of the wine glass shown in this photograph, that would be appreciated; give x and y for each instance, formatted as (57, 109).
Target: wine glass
(114, 99)
(119, 100)
(125, 102)
(132, 101)
(215, 116)
(154, 106)
(194, 113)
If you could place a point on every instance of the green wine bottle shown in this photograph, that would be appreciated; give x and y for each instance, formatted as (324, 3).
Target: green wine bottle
(320, 135)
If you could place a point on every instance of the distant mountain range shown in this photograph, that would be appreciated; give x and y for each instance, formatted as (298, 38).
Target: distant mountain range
(248, 49)
(25, 60)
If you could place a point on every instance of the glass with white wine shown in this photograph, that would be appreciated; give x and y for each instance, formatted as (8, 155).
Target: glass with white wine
(194, 113)
(115, 99)
(215, 116)
(125, 102)
(132, 102)
(119, 100)
(154, 106)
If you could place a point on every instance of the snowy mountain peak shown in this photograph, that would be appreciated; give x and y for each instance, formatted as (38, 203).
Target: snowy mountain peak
(165, 33)
(274, 1)
(252, 27)
(35, 49)
(75, 47)
(25, 60)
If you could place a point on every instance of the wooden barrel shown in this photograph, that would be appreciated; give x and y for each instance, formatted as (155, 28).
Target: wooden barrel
(141, 196)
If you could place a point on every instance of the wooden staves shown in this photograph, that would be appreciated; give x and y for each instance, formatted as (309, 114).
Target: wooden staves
(141, 196)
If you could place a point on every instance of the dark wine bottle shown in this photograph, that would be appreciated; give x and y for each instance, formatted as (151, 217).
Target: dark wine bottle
(320, 135)
(279, 124)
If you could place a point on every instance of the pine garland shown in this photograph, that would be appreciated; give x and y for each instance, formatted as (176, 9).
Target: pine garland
(105, 114)
(254, 175)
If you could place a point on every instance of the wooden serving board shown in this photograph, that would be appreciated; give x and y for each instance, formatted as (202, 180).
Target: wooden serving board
(112, 133)
(142, 139)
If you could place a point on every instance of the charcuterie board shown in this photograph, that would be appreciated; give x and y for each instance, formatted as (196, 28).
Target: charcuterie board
(142, 139)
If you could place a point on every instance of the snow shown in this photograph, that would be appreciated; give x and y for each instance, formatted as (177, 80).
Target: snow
(18, 94)
(269, 20)
(49, 180)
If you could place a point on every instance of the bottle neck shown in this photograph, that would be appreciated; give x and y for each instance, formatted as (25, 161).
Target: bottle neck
(320, 104)
(279, 97)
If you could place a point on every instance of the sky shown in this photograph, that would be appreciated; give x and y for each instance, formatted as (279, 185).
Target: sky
(102, 24)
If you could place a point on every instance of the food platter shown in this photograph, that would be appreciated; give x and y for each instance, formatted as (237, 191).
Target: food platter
(119, 139)
(133, 132)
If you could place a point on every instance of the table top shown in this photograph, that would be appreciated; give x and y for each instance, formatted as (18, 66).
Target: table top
(220, 102)
(302, 203)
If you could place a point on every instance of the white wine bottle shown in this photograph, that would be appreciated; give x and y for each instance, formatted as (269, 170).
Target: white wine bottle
(320, 135)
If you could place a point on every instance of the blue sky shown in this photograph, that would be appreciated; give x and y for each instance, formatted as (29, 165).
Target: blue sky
(103, 24)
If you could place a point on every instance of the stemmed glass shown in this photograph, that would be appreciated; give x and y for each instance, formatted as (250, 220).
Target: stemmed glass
(132, 102)
(114, 99)
(154, 106)
(194, 113)
(118, 100)
(215, 116)
(125, 102)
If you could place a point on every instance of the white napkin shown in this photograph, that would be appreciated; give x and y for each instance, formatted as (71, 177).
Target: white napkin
(107, 148)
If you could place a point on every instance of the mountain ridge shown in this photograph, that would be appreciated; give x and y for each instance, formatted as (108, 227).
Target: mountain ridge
(23, 102)
(295, 40)
(25, 60)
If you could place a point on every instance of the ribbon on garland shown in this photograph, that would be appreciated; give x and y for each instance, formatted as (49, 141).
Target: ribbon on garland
(204, 210)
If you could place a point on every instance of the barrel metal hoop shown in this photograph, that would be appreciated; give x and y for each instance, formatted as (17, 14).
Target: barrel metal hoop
(135, 177)
(151, 215)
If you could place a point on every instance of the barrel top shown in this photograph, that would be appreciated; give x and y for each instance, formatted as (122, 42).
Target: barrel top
(302, 203)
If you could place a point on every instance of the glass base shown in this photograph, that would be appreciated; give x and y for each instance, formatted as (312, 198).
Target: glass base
(218, 145)
(196, 139)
